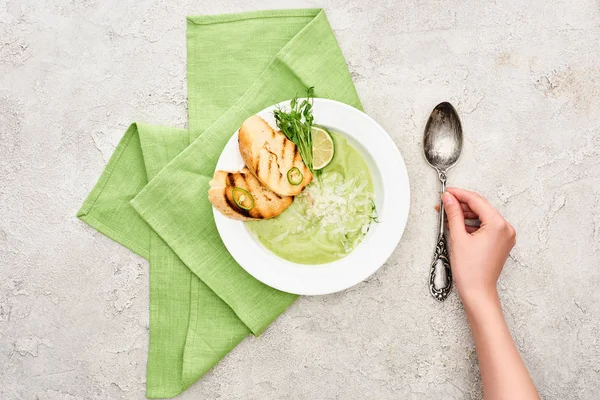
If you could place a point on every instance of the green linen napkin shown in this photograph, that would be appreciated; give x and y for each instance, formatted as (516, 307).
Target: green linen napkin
(152, 196)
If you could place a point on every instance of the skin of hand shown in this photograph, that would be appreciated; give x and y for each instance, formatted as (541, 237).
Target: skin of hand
(477, 256)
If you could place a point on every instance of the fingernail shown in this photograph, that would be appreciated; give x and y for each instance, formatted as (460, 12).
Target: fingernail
(447, 198)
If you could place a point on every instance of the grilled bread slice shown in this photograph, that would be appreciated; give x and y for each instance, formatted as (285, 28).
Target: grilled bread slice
(270, 155)
(266, 203)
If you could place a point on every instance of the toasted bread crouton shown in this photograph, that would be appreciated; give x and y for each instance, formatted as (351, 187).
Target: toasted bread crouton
(267, 204)
(269, 155)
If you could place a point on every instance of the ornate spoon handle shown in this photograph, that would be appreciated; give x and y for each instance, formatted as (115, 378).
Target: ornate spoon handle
(440, 276)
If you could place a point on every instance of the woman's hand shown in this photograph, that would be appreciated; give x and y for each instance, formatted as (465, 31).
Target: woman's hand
(477, 255)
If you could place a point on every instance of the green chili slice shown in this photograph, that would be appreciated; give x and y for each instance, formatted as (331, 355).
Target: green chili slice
(294, 176)
(242, 198)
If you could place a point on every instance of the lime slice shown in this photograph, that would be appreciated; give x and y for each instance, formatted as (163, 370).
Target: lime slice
(323, 148)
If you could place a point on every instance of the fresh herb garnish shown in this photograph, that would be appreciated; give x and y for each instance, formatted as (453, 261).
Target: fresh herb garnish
(296, 125)
(374, 215)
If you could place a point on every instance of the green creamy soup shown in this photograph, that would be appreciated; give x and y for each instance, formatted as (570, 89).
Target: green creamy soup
(329, 218)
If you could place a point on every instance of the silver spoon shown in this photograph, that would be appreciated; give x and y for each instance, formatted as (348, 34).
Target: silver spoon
(442, 144)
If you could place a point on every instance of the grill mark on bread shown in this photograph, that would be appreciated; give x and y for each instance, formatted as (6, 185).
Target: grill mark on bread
(295, 152)
(231, 179)
(244, 181)
(283, 146)
(256, 188)
(294, 155)
(271, 160)
(257, 166)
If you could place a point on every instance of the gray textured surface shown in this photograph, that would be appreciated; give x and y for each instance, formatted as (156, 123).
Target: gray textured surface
(525, 78)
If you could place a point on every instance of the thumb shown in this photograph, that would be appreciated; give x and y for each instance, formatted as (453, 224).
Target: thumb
(456, 219)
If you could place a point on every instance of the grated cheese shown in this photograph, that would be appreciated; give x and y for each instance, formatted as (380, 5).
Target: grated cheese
(341, 208)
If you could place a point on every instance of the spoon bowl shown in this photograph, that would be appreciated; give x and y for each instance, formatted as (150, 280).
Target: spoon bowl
(443, 139)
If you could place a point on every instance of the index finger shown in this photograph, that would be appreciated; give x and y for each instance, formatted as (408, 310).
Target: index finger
(477, 203)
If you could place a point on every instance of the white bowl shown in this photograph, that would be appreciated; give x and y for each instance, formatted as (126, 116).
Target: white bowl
(392, 198)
